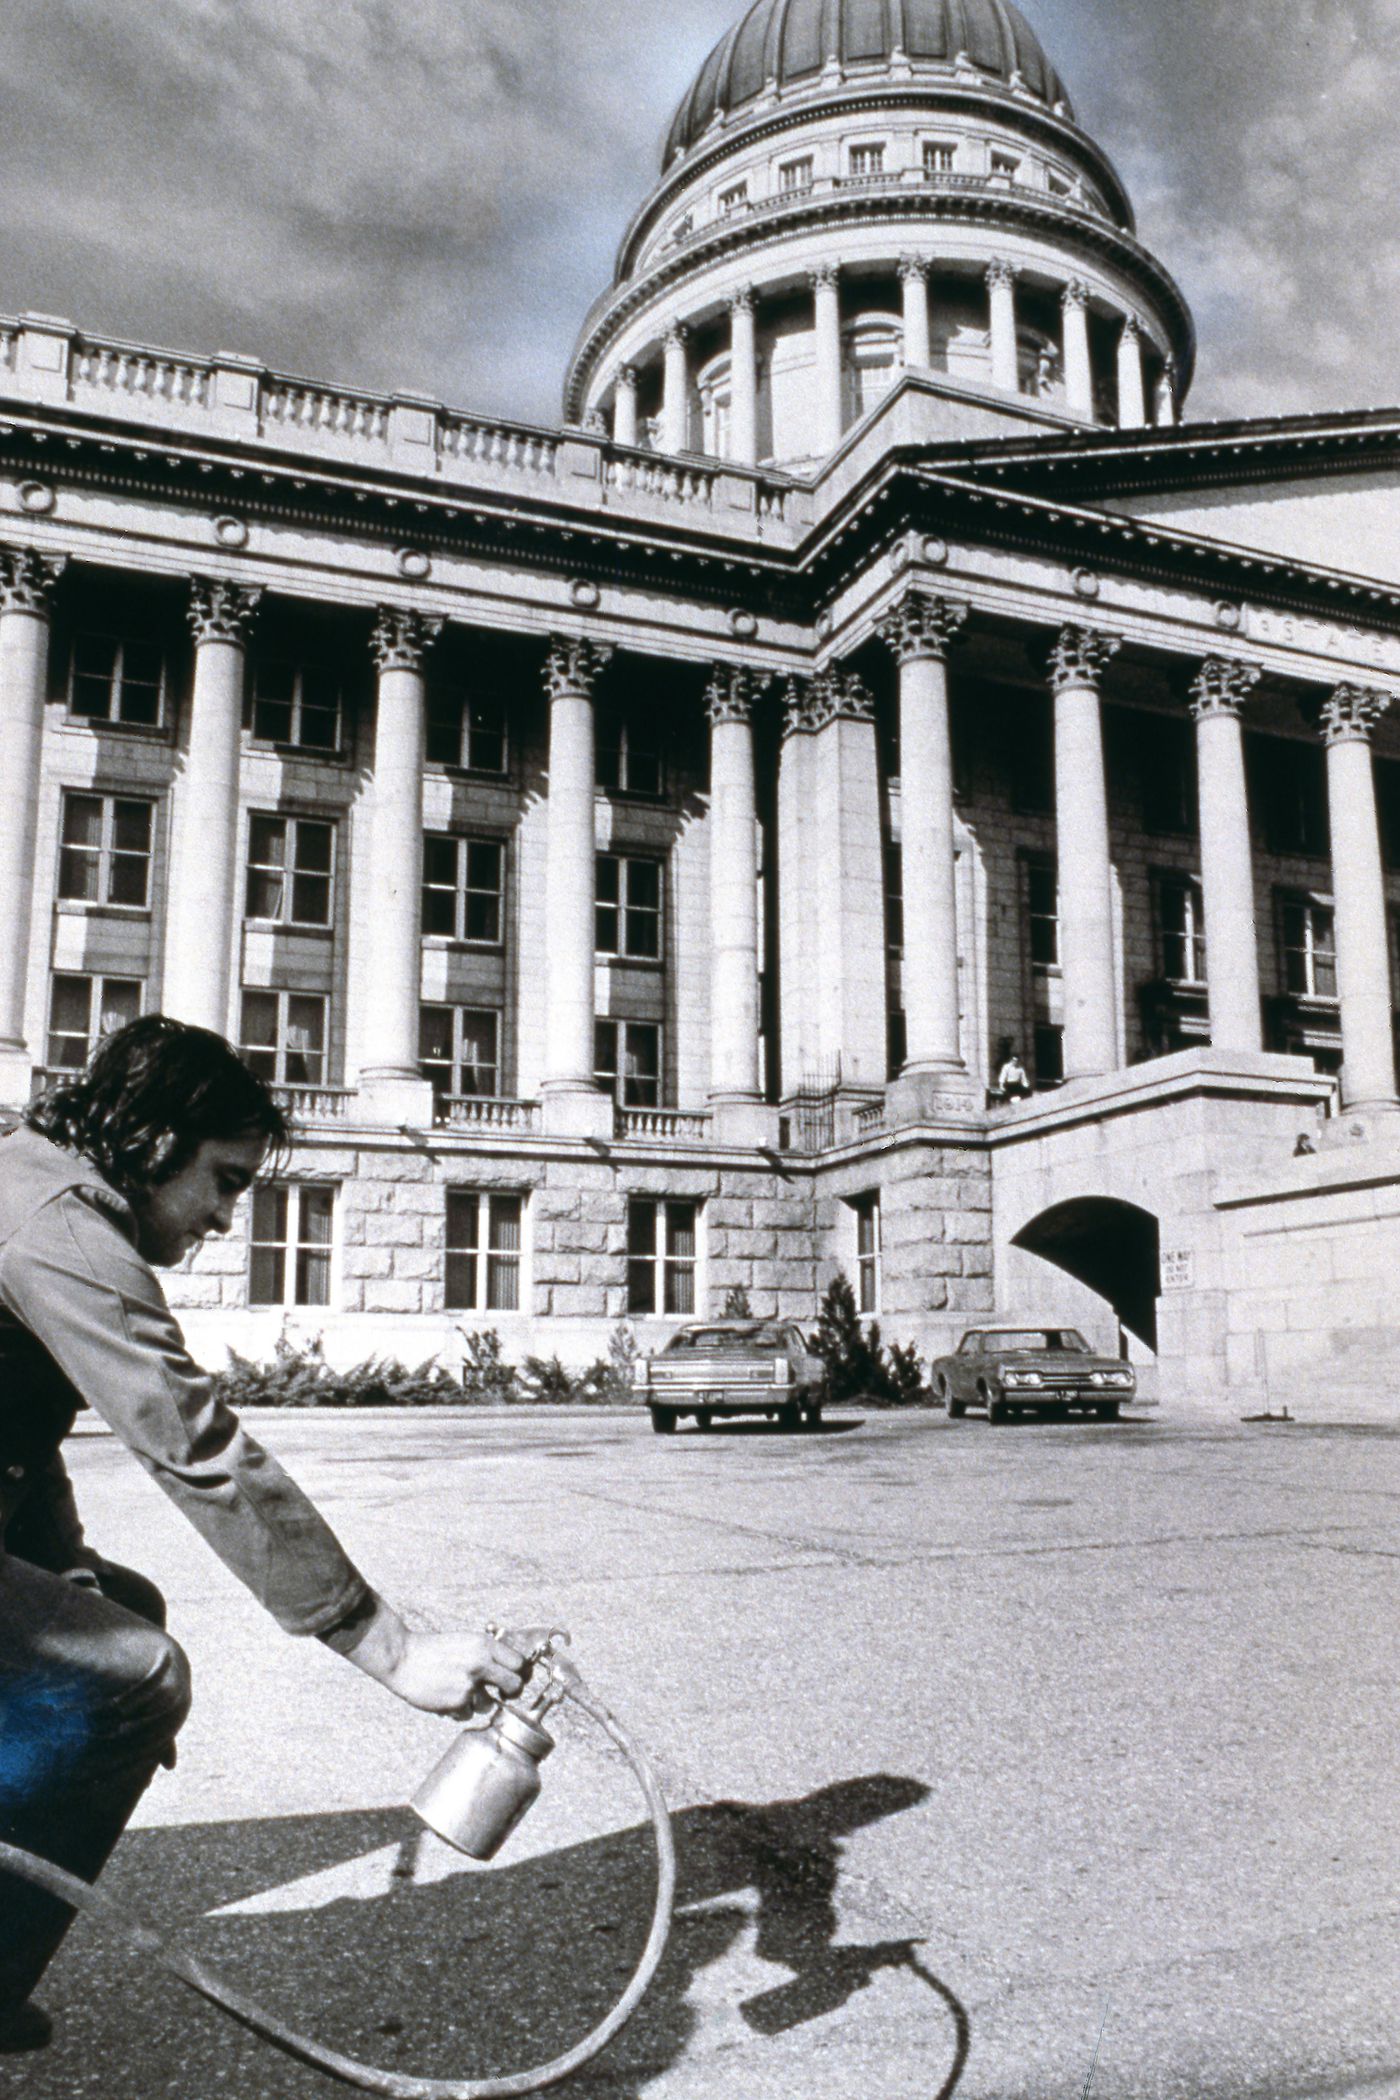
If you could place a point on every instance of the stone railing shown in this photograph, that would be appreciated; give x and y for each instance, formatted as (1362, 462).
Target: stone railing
(664, 1125)
(359, 417)
(110, 368)
(485, 1112)
(315, 1104)
(504, 448)
(869, 1120)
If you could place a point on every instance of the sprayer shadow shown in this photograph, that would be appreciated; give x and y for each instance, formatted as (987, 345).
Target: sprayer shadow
(483, 1972)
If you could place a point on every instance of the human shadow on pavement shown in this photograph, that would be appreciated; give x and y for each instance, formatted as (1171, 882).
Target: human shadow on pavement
(485, 1972)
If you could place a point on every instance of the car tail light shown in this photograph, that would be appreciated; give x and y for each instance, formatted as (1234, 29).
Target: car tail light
(782, 1372)
(641, 1374)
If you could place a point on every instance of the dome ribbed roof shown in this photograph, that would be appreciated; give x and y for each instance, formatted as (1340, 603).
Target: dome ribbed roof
(789, 41)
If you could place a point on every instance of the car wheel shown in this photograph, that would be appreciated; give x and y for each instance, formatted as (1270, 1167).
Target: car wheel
(790, 1416)
(1107, 1410)
(814, 1415)
(956, 1409)
(663, 1420)
(997, 1410)
(703, 1418)
(942, 1392)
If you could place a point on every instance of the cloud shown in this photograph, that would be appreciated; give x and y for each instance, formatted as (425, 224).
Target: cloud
(431, 198)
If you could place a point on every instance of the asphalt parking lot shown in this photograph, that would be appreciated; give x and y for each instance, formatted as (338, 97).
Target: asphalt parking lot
(984, 1746)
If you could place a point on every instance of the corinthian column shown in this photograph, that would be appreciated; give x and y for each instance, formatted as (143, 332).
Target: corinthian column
(1001, 293)
(1132, 384)
(913, 279)
(625, 406)
(200, 918)
(826, 307)
(572, 1102)
(392, 1089)
(735, 1080)
(1079, 370)
(1086, 878)
(1218, 695)
(1358, 886)
(920, 631)
(743, 380)
(675, 394)
(27, 583)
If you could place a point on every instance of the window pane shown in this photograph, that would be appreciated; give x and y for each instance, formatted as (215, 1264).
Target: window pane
(641, 1286)
(443, 745)
(120, 1002)
(435, 1033)
(313, 1277)
(260, 1020)
(265, 1276)
(313, 853)
(606, 878)
(306, 1041)
(680, 1288)
(317, 1211)
(78, 875)
(94, 662)
(463, 1212)
(486, 752)
(82, 820)
(605, 1052)
(459, 1282)
(680, 1231)
(505, 1224)
(272, 721)
(311, 900)
(269, 1213)
(605, 929)
(478, 1054)
(641, 1226)
(69, 1011)
(139, 699)
(266, 893)
(440, 860)
(644, 884)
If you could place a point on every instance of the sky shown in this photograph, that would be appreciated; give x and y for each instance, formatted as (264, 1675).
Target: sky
(429, 197)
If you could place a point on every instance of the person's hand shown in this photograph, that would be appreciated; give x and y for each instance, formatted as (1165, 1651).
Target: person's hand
(441, 1673)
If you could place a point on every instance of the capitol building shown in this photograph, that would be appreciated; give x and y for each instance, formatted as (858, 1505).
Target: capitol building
(637, 848)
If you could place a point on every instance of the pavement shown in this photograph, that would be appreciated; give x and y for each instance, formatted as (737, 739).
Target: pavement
(987, 1749)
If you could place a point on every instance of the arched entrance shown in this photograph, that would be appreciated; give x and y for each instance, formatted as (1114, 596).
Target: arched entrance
(1112, 1247)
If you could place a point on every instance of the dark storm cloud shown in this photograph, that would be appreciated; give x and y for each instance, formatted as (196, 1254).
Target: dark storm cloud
(431, 196)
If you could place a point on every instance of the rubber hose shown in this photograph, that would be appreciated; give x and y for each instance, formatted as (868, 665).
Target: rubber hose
(81, 1895)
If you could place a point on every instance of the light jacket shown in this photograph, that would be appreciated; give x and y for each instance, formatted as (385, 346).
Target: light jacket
(83, 1319)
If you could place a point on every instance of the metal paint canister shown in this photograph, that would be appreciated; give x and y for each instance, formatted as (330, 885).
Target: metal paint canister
(478, 1792)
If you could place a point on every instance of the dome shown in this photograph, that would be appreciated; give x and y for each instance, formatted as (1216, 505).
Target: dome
(789, 42)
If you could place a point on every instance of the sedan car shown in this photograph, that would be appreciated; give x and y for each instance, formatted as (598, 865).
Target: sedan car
(732, 1367)
(1008, 1368)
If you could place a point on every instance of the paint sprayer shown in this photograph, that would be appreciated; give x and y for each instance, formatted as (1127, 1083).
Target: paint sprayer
(474, 1797)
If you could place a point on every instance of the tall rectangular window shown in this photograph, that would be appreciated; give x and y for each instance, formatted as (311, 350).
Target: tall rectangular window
(627, 913)
(116, 679)
(459, 1049)
(1181, 925)
(867, 1223)
(290, 862)
(1308, 941)
(662, 1240)
(867, 161)
(1167, 763)
(282, 1036)
(296, 704)
(82, 1009)
(465, 732)
(1006, 165)
(940, 156)
(795, 175)
(484, 1240)
(463, 888)
(734, 198)
(1290, 783)
(627, 1061)
(629, 757)
(105, 850)
(290, 1243)
(1048, 1048)
(1042, 914)
(894, 897)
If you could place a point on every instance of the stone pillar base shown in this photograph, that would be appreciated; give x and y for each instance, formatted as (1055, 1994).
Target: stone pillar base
(926, 1097)
(16, 1076)
(395, 1100)
(576, 1112)
(1353, 1126)
(751, 1124)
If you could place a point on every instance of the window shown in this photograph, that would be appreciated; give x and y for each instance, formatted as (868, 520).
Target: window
(1029, 738)
(661, 1256)
(464, 732)
(1307, 939)
(116, 680)
(297, 704)
(1182, 929)
(627, 913)
(896, 1042)
(463, 888)
(732, 199)
(867, 161)
(1005, 165)
(459, 1049)
(683, 227)
(627, 1061)
(894, 897)
(1292, 783)
(1058, 185)
(484, 1235)
(290, 1243)
(289, 870)
(867, 1216)
(1048, 1041)
(1167, 769)
(105, 850)
(940, 156)
(1043, 914)
(795, 175)
(282, 1036)
(629, 757)
(84, 1009)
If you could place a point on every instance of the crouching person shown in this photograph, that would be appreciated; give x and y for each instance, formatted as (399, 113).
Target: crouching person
(120, 1170)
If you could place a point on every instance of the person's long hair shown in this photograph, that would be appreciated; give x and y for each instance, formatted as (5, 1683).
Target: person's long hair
(150, 1096)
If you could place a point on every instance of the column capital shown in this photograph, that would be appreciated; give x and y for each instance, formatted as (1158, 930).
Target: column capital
(825, 275)
(1080, 656)
(574, 665)
(1132, 329)
(402, 637)
(628, 376)
(219, 611)
(922, 625)
(28, 580)
(913, 269)
(833, 695)
(744, 300)
(1221, 687)
(733, 692)
(1075, 293)
(1000, 272)
(1351, 712)
(676, 336)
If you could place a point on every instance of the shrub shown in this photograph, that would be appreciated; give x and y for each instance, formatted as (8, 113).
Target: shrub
(299, 1376)
(487, 1378)
(857, 1365)
(907, 1375)
(736, 1303)
(543, 1381)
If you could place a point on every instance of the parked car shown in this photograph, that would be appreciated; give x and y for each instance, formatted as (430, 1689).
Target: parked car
(732, 1367)
(1005, 1369)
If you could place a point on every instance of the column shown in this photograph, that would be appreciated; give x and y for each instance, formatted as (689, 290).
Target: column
(1166, 395)
(913, 280)
(1218, 694)
(847, 880)
(675, 394)
(743, 380)
(826, 306)
(1001, 292)
(1079, 370)
(27, 582)
(920, 631)
(572, 1103)
(797, 844)
(1349, 716)
(1081, 826)
(201, 916)
(1132, 383)
(392, 1088)
(625, 406)
(736, 1085)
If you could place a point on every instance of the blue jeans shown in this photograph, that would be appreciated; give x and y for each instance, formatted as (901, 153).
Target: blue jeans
(92, 1695)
